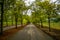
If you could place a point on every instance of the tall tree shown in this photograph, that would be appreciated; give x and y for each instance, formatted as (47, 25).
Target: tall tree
(2, 11)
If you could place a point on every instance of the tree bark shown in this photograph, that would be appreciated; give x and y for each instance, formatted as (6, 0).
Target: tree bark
(21, 20)
(41, 23)
(12, 21)
(16, 20)
(2, 11)
(49, 23)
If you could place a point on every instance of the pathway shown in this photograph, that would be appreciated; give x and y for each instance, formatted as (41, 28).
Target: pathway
(30, 32)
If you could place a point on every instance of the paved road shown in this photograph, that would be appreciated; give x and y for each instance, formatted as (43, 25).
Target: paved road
(30, 32)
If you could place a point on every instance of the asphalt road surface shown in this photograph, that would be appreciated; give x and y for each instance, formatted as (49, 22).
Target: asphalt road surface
(30, 32)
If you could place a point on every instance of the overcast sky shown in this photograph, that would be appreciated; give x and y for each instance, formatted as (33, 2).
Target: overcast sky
(29, 2)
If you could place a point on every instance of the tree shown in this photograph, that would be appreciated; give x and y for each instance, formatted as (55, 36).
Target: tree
(2, 11)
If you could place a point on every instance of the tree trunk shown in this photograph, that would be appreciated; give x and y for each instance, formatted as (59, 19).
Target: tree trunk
(2, 11)
(21, 21)
(16, 20)
(49, 23)
(12, 21)
(41, 23)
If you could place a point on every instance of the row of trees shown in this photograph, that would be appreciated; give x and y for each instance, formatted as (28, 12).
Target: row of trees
(12, 12)
(15, 11)
(45, 10)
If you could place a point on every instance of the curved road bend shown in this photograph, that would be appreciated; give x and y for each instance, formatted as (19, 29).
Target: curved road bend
(30, 32)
